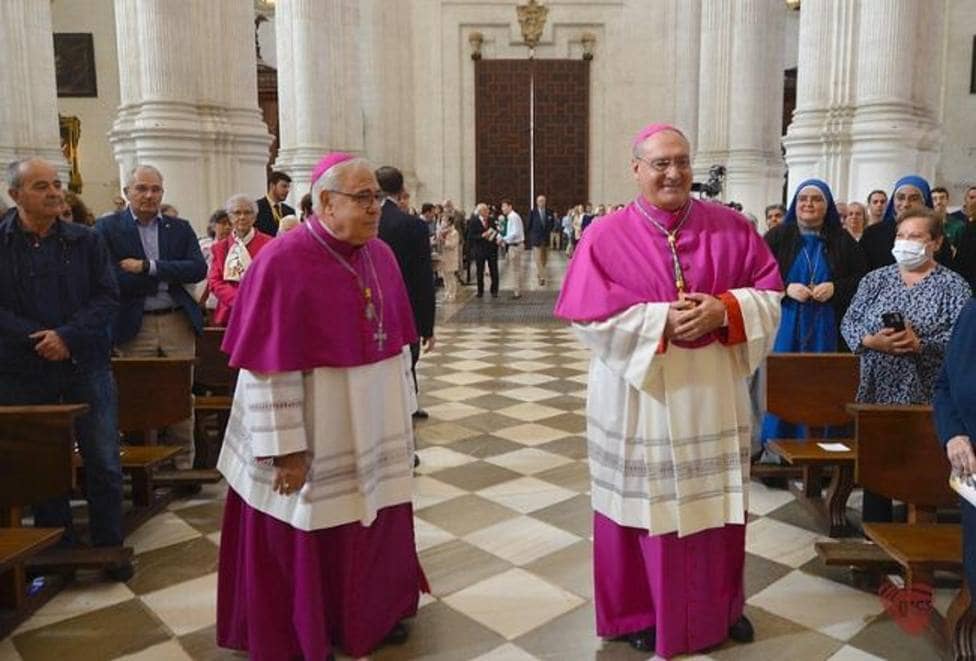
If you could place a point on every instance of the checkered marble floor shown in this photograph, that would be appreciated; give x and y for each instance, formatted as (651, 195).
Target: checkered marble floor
(503, 527)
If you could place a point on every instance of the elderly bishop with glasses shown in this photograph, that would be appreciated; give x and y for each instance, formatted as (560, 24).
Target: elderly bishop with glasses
(678, 301)
(317, 548)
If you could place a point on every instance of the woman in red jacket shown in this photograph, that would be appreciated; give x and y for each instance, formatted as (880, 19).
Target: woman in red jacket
(233, 255)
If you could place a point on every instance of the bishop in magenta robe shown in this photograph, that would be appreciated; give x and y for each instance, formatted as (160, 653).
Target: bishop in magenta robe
(678, 300)
(317, 547)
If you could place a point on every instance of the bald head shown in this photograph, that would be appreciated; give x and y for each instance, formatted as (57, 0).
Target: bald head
(35, 187)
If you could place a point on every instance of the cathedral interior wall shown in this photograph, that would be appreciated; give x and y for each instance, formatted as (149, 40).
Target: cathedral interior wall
(99, 171)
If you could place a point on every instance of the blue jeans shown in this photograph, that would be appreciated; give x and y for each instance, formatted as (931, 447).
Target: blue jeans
(98, 439)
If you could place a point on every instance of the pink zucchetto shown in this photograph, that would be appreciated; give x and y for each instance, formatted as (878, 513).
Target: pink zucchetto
(652, 129)
(328, 161)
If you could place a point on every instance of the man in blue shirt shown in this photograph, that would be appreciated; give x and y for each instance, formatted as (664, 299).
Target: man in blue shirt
(58, 300)
(154, 257)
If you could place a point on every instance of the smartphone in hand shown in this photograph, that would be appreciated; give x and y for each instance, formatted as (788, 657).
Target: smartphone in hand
(893, 320)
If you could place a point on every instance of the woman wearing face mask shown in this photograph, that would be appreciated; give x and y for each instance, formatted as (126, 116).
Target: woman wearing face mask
(821, 265)
(900, 321)
(909, 192)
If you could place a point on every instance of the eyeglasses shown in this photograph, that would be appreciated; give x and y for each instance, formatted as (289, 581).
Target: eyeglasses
(664, 164)
(365, 199)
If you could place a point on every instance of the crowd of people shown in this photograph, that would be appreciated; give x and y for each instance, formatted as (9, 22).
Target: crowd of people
(328, 308)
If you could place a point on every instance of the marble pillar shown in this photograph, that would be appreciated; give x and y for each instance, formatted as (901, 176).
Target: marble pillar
(29, 103)
(686, 47)
(319, 83)
(868, 86)
(740, 98)
(188, 100)
(896, 128)
(386, 51)
(818, 140)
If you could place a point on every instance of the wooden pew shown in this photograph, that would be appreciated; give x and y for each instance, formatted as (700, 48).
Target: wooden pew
(37, 446)
(214, 381)
(899, 456)
(813, 389)
(154, 393)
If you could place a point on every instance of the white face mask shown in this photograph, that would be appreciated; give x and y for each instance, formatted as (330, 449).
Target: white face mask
(909, 254)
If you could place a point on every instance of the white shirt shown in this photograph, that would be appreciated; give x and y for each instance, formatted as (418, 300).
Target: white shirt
(514, 231)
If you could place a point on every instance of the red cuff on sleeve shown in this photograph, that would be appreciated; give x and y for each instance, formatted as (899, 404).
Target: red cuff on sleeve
(735, 332)
(662, 345)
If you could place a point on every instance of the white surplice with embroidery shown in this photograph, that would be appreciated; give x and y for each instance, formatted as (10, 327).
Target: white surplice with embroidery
(355, 424)
(668, 439)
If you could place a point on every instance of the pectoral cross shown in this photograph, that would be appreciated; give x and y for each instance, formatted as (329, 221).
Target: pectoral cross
(380, 337)
(679, 274)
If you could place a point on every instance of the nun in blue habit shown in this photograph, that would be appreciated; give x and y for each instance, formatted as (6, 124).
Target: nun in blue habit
(821, 266)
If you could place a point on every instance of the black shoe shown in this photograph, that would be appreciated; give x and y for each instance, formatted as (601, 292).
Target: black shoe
(120, 573)
(397, 636)
(480, 294)
(643, 641)
(742, 631)
(494, 294)
(420, 414)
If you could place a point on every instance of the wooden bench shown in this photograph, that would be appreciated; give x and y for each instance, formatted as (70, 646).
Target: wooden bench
(214, 381)
(813, 389)
(37, 446)
(808, 454)
(899, 456)
(154, 393)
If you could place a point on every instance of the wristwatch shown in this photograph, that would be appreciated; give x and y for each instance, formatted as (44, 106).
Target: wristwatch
(145, 266)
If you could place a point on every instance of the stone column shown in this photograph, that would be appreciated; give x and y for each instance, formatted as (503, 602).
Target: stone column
(319, 81)
(896, 128)
(686, 33)
(29, 104)
(386, 51)
(188, 89)
(741, 98)
(818, 140)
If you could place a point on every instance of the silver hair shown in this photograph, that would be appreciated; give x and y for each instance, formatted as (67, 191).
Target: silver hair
(15, 171)
(132, 173)
(479, 207)
(332, 179)
(234, 200)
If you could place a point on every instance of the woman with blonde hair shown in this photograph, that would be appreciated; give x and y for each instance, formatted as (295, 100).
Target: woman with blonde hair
(448, 245)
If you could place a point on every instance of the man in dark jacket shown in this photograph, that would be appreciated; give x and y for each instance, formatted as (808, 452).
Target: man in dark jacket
(58, 300)
(154, 257)
(482, 237)
(272, 207)
(410, 240)
(541, 222)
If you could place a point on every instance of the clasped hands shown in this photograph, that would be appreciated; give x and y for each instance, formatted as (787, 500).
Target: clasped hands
(290, 471)
(888, 340)
(820, 293)
(50, 345)
(692, 316)
(959, 449)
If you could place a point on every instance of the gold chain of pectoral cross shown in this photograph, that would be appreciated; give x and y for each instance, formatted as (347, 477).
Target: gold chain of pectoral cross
(679, 274)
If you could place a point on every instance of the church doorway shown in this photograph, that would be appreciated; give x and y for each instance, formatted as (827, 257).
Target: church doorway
(532, 132)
